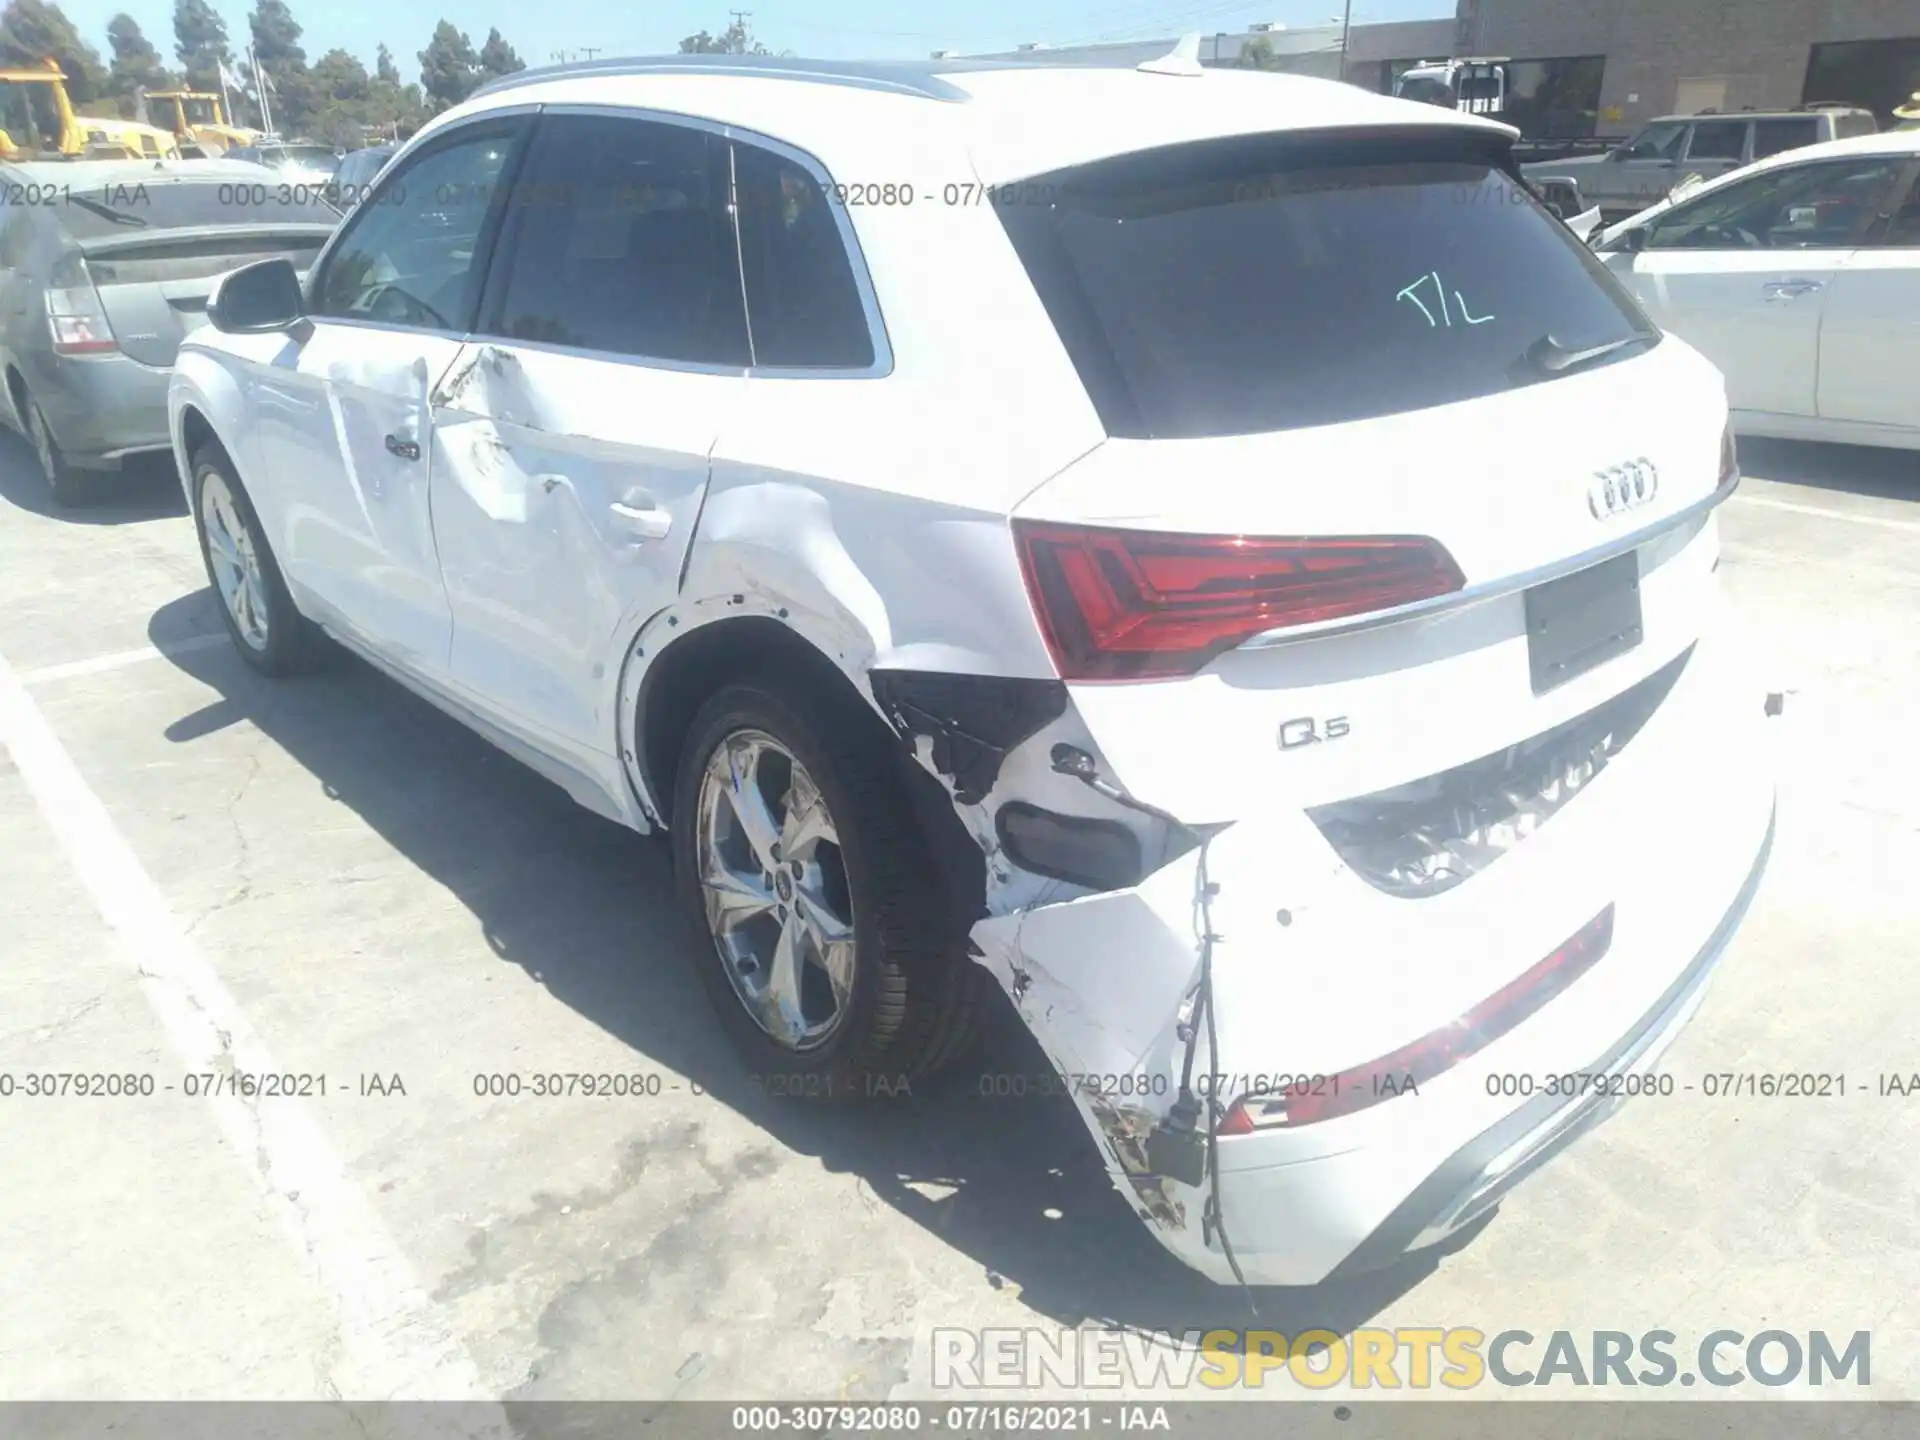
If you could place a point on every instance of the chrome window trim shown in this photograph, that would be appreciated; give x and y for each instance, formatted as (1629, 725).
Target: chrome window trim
(1506, 585)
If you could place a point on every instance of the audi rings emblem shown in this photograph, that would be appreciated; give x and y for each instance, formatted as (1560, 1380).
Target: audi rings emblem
(1621, 488)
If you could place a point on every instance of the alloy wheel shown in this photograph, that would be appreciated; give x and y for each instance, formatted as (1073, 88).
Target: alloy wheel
(236, 563)
(775, 888)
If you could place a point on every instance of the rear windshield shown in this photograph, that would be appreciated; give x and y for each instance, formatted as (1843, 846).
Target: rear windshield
(1246, 285)
(176, 205)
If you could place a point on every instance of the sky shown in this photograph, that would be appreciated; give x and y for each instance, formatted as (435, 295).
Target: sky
(827, 29)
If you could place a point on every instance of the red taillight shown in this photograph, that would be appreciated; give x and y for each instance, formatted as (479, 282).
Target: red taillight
(1142, 605)
(1411, 1066)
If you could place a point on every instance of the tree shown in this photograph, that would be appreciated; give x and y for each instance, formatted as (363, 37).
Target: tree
(338, 76)
(276, 45)
(32, 31)
(388, 102)
(200, 42)
(734, 40)
(449, 68)
(276, 35)
(135, 66)
(342, 90)
(1257, 54)
(498, 58)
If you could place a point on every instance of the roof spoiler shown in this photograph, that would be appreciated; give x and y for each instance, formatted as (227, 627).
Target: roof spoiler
(121, 240)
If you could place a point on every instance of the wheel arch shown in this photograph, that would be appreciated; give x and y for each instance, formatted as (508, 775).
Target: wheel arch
(204, 406)
(698, 662)
(17, 393)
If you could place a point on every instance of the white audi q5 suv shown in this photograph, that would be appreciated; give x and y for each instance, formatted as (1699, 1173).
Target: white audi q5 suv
(1205, 552)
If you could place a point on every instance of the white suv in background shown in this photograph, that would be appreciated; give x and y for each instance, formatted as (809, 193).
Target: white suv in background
(1204, 551)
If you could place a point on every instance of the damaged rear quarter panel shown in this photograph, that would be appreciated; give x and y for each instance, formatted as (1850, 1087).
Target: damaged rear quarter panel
(869, 513)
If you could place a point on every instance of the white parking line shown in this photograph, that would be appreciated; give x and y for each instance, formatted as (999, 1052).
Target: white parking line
(395, 1342)
(119, 660)
(1882, 521)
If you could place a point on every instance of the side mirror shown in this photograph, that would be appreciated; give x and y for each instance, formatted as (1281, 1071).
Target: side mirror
(1633, 241)
(257, 299)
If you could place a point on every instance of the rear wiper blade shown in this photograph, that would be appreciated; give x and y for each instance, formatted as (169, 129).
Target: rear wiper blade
(1547, 356)
(107, 212)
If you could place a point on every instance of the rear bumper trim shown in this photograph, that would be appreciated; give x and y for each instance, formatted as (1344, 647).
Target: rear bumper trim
(1479, 1174)
(1505, 585)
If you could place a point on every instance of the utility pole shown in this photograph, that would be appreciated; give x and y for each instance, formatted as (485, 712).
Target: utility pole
(740, 19)
(589, 51)
(1346, 31)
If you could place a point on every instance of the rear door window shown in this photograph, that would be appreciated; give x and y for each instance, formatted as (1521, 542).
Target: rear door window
(1902, 228)
(803, 304)
(619, 240)
(1718, 140)
(1262, 283)
(1770, 137)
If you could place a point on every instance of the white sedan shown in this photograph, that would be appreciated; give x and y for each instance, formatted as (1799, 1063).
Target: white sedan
(1800, 278)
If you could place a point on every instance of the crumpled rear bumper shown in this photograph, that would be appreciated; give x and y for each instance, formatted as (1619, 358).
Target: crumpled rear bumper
(1315, 972)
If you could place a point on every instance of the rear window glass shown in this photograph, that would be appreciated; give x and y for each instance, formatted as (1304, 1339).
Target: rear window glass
(1770, 137)
(1220, 290)
(1718, 140)
(120, 209)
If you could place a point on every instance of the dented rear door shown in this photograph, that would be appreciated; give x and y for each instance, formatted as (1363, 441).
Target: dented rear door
(574, 431)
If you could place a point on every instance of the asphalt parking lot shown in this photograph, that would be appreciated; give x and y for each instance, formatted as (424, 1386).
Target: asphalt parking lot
(326, 877)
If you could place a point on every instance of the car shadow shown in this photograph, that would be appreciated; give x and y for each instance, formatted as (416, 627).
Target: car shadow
(586, 908)
(147, 487)
(1879, 474)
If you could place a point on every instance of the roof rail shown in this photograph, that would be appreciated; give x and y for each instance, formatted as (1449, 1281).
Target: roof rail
(893, 77)
(1829, 105)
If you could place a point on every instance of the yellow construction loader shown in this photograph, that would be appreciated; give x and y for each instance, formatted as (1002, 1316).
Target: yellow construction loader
(198, 117)
(37, 121)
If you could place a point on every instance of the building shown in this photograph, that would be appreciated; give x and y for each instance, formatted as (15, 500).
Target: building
(1599, 66)
(1683, 56)
(1372, 50)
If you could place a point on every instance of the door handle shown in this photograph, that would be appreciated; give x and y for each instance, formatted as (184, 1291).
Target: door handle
(405, 449)
(1792, 289)
(644, 520)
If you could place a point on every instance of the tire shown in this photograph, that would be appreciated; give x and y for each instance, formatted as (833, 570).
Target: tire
(271, 635)
(67, 485)
(912, 995)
